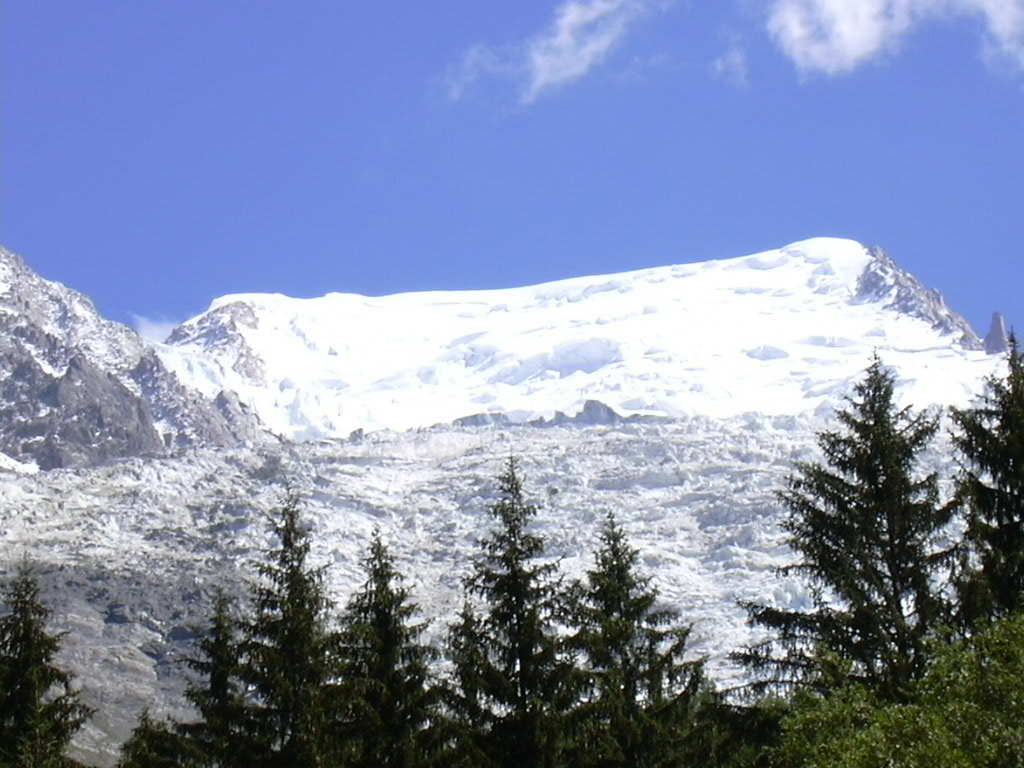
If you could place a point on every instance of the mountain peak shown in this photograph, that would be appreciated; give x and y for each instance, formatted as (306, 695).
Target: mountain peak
(883, 281)
(780, 331)
(997, 340)
(78, 389)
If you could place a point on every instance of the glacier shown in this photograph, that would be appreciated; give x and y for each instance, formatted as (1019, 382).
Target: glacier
(779, 332)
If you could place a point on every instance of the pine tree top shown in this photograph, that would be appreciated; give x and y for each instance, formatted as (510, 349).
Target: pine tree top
(865, 525)
(39, 709)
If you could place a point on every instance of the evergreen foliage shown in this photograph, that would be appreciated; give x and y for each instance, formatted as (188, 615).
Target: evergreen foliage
(159, 744)
(290, 658)
(513, 682)
(641, 697)
(990, 439)
(740, 735)
(466, 727)
(864, 526)
(389, 695)
(39, 709)
(219, 734)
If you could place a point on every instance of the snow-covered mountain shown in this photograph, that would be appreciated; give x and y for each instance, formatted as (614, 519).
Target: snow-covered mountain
(779, 332)
(79, 389)
(691, 391)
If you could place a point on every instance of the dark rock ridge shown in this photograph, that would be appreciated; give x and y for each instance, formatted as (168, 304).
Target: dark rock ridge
(78, 390)
(593, 413)
(884, 281)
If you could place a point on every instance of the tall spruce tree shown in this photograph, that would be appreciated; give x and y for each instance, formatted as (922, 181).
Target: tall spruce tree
(469, 716)
(990, 439)
(290, 665)
(513, 682)
(641, 699)
(218, 695)
(39, 709)
(389, 695)
(864, 525)
(160, 744)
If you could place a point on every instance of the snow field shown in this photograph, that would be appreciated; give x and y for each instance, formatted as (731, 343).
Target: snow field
(774, 333)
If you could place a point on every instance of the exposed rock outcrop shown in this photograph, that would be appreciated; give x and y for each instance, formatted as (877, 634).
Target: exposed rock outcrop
(997, 340)
(883, 280)
(78, 390)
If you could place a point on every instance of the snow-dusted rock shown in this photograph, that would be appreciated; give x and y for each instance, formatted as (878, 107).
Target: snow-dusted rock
(76, 389)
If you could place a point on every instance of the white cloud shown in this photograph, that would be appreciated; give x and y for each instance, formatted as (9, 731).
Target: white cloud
(1005, 30)
(640, 69)
(479, 61)
(153, 330)
(836, 36)
(732, 66)
(582, 34)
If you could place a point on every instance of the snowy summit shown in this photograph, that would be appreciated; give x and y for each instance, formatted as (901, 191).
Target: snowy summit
(778, 332)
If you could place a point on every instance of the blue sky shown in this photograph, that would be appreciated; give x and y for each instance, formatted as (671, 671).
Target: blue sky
(157, 154)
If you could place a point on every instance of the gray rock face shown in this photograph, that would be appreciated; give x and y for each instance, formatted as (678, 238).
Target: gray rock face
(77, 390)
(593, 413)
(883, 280)
(127, 634)
(997, 341)
(82, 417)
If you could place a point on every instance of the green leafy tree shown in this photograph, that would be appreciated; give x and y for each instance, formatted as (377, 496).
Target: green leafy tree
(990, 439)
(864, 526)
(290, 665)
(220, 733)
(40, 711)
(966, 712)
(642, 697)
(513, 683)
(389, 693)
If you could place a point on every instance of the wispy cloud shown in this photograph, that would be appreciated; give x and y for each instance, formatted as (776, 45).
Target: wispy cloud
(480, 61)
(732, 65)
(836, 36)
(1004, 21)
(641, 68)
(828, 37)
(582, 34)
(153, 329)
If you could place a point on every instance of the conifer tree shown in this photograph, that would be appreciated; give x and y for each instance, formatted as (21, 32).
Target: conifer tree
(864, 526)
(990, 439)
(159, 744)
(513, 681)
(290, 656)
(469, 714)
(39, 709)
(642, 695)
(219, 734)
(390, 697)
